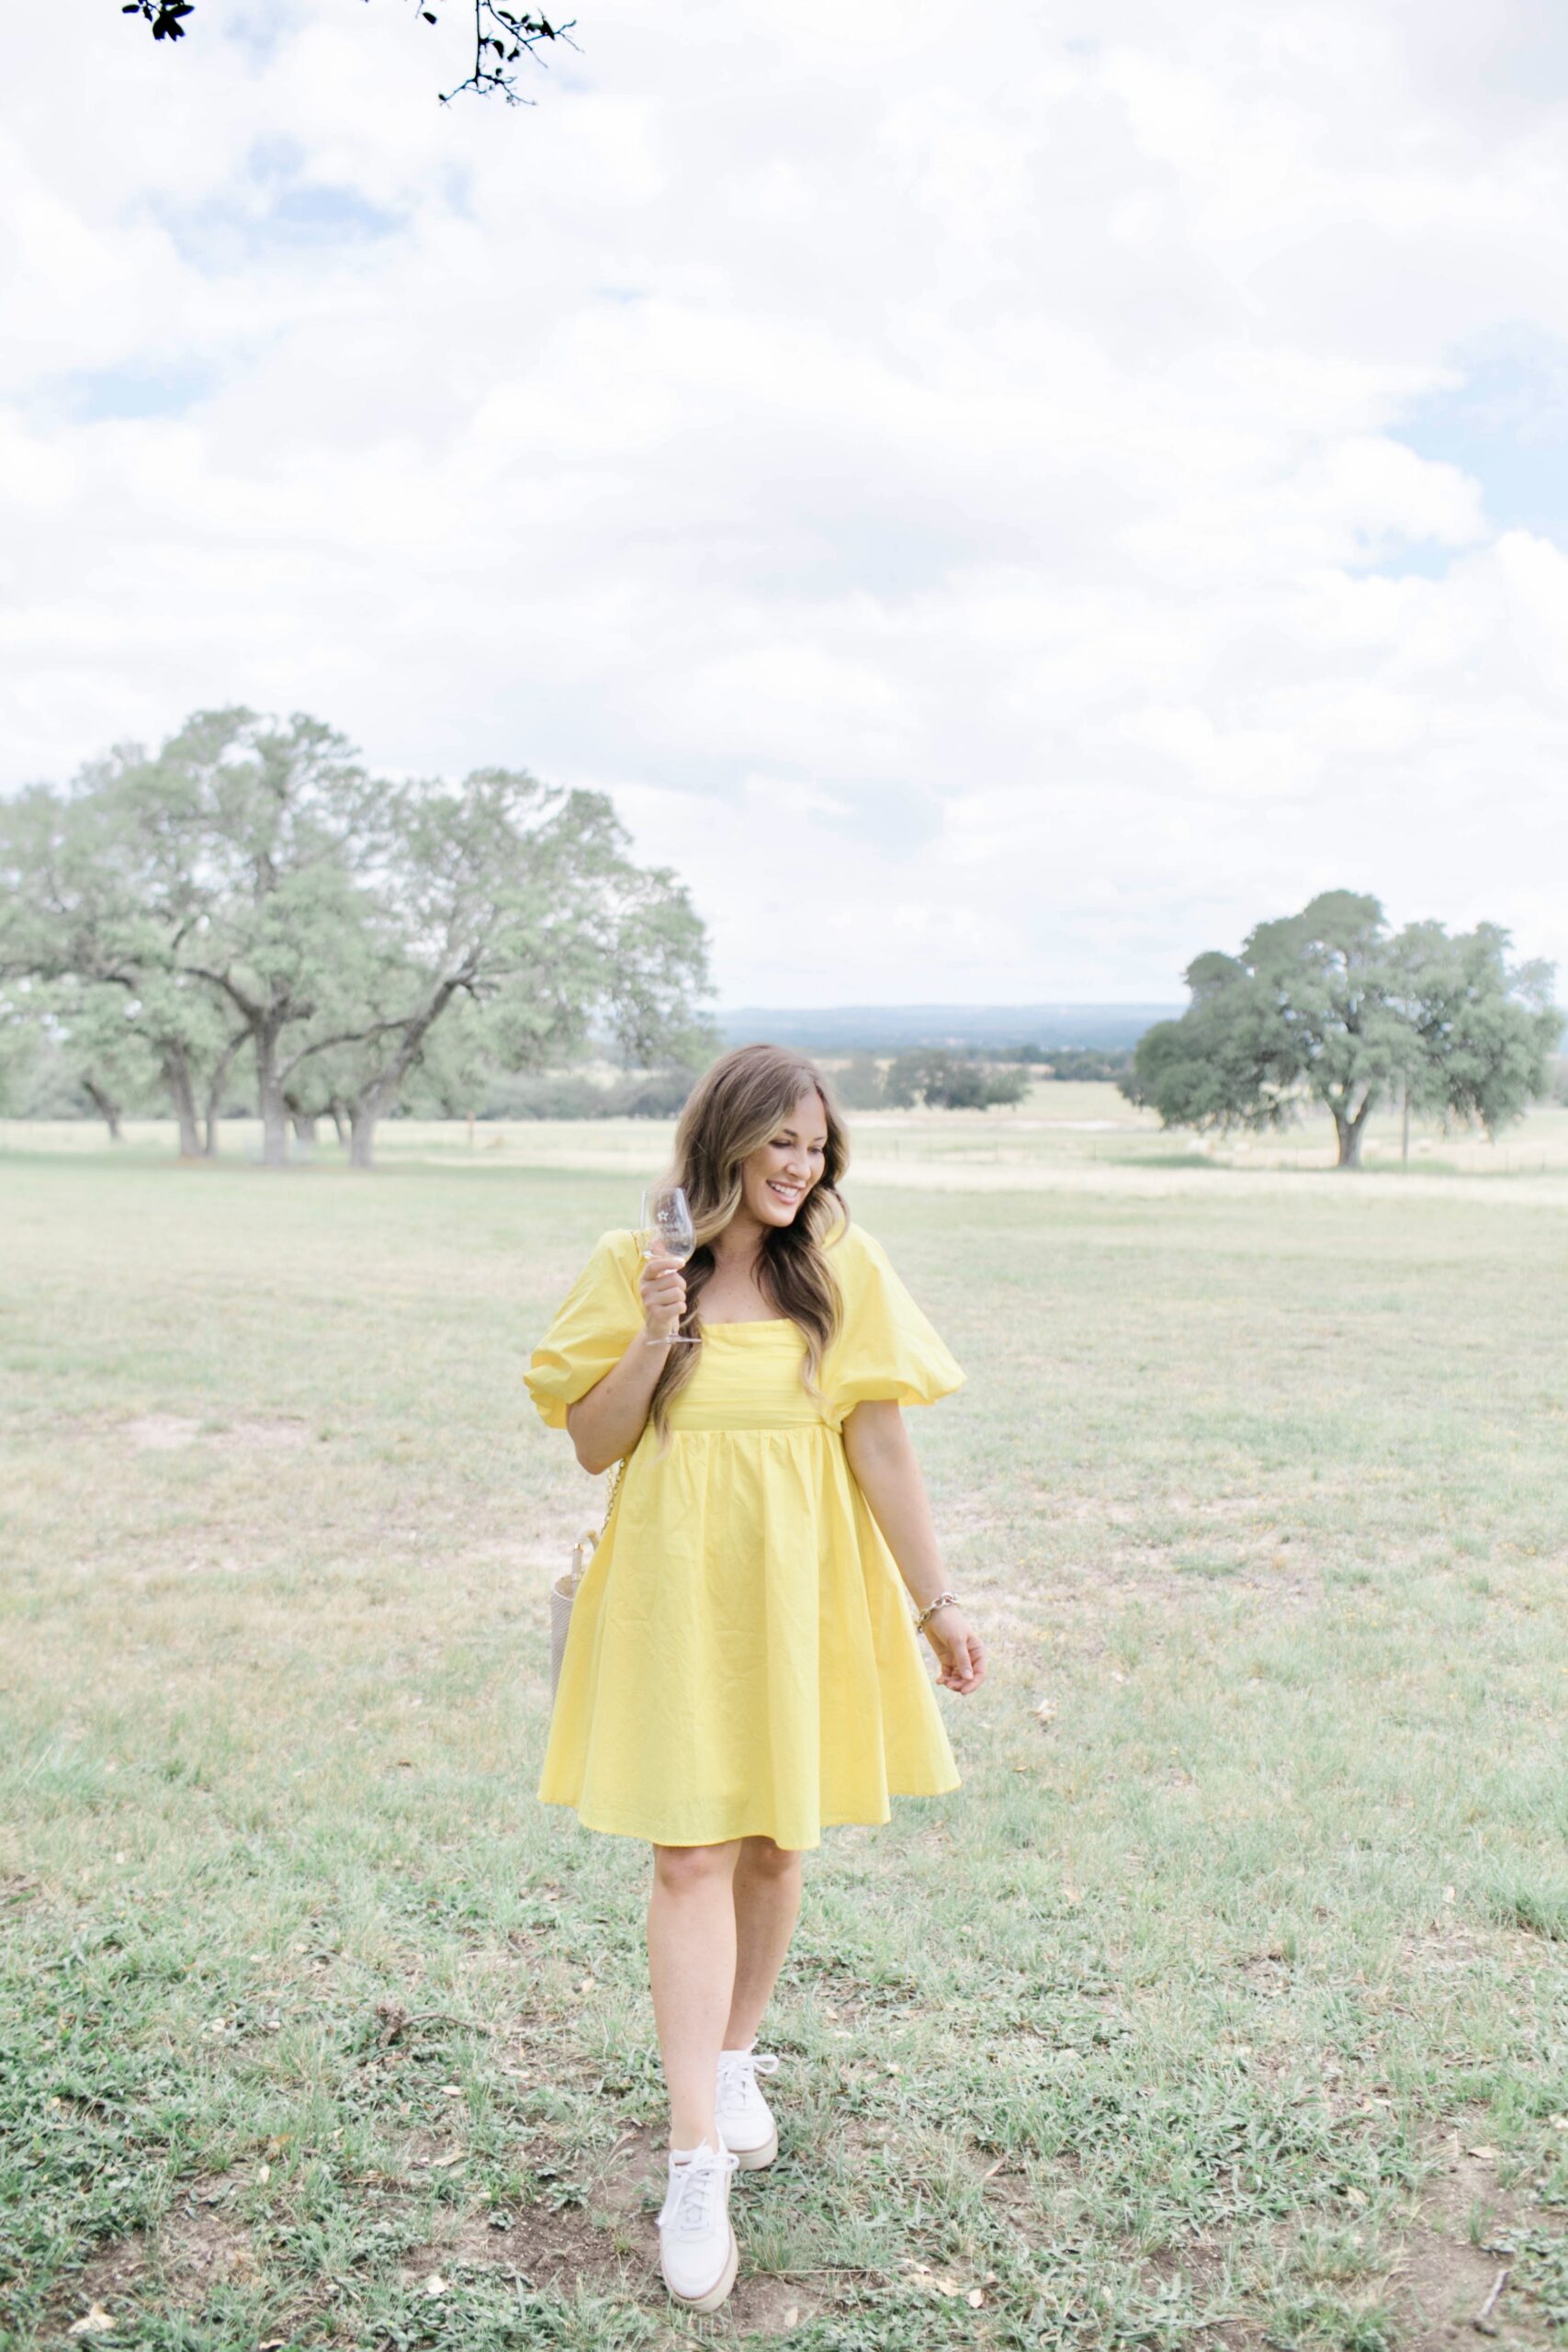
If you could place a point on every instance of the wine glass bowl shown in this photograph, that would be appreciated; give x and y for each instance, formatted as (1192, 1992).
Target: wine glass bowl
(666, 1230)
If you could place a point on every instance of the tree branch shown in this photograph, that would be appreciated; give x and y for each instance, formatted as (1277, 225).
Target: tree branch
(344, 1037)
(163, 15)
(251, 1011)
(503, 38)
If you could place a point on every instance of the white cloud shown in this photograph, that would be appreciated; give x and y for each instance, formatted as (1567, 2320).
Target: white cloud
(949, 489)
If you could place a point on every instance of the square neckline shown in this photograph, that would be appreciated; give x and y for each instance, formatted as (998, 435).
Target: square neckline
(748, 1323)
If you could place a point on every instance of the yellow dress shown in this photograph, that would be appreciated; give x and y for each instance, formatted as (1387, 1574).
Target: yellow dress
(743, 1660)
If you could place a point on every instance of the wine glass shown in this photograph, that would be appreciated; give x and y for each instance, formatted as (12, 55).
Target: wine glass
(667, 1232)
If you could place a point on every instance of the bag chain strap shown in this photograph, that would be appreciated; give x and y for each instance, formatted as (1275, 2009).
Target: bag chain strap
(610, 1504)
(588, 1542)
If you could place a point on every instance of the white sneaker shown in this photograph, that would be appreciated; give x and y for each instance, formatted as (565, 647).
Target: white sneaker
(697, 2245)
(745, 2119)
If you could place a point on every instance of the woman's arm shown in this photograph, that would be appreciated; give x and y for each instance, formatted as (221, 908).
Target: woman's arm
(887, 1471)
(606, 1423)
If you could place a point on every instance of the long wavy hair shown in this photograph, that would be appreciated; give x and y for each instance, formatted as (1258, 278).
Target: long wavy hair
(735, 1108)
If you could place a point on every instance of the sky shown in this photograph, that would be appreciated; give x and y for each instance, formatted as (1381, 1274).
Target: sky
(1003, 500)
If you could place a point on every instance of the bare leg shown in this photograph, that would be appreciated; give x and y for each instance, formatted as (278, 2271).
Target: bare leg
(690, 1958)
(767, 1903)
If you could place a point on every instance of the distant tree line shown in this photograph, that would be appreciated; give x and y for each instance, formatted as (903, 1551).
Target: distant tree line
(1091, 1063)
(250, 898)
(574, 1094)
(1331, 1006)
(938, 1080)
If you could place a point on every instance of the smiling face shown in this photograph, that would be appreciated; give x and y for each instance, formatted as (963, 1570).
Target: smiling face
(775, 1179)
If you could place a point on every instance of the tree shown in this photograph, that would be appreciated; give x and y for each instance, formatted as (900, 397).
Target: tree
(1488, 1033)
(520, 900)
(1328, 1005)
(82, 904)
(859, 1083)
(111, 1061)
(505, 39)
(944, 1081)
(249, 885)
(20, 1052)
(1075, 1062)
(254, 834)
(66, 1044)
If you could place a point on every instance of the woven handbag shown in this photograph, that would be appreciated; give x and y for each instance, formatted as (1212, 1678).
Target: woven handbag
(563, 1592)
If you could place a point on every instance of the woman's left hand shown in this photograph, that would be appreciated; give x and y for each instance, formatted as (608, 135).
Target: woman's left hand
(960, 1650)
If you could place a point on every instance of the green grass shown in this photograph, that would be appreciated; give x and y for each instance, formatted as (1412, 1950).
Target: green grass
(1179, 2023)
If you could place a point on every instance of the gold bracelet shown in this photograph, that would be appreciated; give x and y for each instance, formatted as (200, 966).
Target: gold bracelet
(943, 1600)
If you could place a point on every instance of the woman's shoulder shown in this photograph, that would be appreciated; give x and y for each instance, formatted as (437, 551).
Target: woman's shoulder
(853, 1251)
(614, 1257)
(618, 1247)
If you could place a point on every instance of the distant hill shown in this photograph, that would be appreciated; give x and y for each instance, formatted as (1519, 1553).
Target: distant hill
(890, 1028)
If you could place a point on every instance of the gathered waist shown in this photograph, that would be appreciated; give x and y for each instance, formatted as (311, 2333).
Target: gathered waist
(735, 1414)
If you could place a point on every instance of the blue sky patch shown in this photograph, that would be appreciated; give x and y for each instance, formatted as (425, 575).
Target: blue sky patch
(1410, 558)
(1506, 426)
(898, 816)
(92, 395)
(276, 207)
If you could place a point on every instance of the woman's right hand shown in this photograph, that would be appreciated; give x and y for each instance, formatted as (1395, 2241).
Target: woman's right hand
(663, 1287)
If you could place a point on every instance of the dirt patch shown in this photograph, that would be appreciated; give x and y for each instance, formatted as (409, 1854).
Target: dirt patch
(1465, 2233)
(544, 2249)
(106, 2279)
(631, 2182)
(763, 2306)
(199, 2243)
(197, 2246)
(160, 1432)
(612, 2243)
(546, 2245)
(262, 1434)
(168, 1433)
(1198, 2270)
(1454, 1946)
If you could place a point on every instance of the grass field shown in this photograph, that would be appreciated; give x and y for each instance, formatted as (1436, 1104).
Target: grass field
(1064, 1132)
(1226, 2004)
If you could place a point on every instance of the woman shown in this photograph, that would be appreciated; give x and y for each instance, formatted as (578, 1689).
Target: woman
(742, 1667)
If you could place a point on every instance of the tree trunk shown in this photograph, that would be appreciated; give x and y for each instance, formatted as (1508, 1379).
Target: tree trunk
(216, 1085)
(177, 1075)
(106, 1107)
(372, 1107)
(382, 1092)
(335, 1112)
(304, 1128)
(1349, 1131)
(269, 1091)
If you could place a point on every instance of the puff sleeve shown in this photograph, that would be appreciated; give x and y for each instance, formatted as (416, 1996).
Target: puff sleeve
(885, 1349)
(594, 1326)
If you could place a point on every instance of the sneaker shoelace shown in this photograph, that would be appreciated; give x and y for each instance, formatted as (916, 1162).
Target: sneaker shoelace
(737, 2070)
(693, 2189)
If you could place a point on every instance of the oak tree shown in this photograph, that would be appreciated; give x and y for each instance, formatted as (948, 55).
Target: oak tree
(1328, 1005)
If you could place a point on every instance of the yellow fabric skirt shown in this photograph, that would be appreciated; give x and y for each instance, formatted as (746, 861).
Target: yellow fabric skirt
(743, 1660)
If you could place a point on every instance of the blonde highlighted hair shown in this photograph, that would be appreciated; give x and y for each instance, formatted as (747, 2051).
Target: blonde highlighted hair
(735, 1108)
